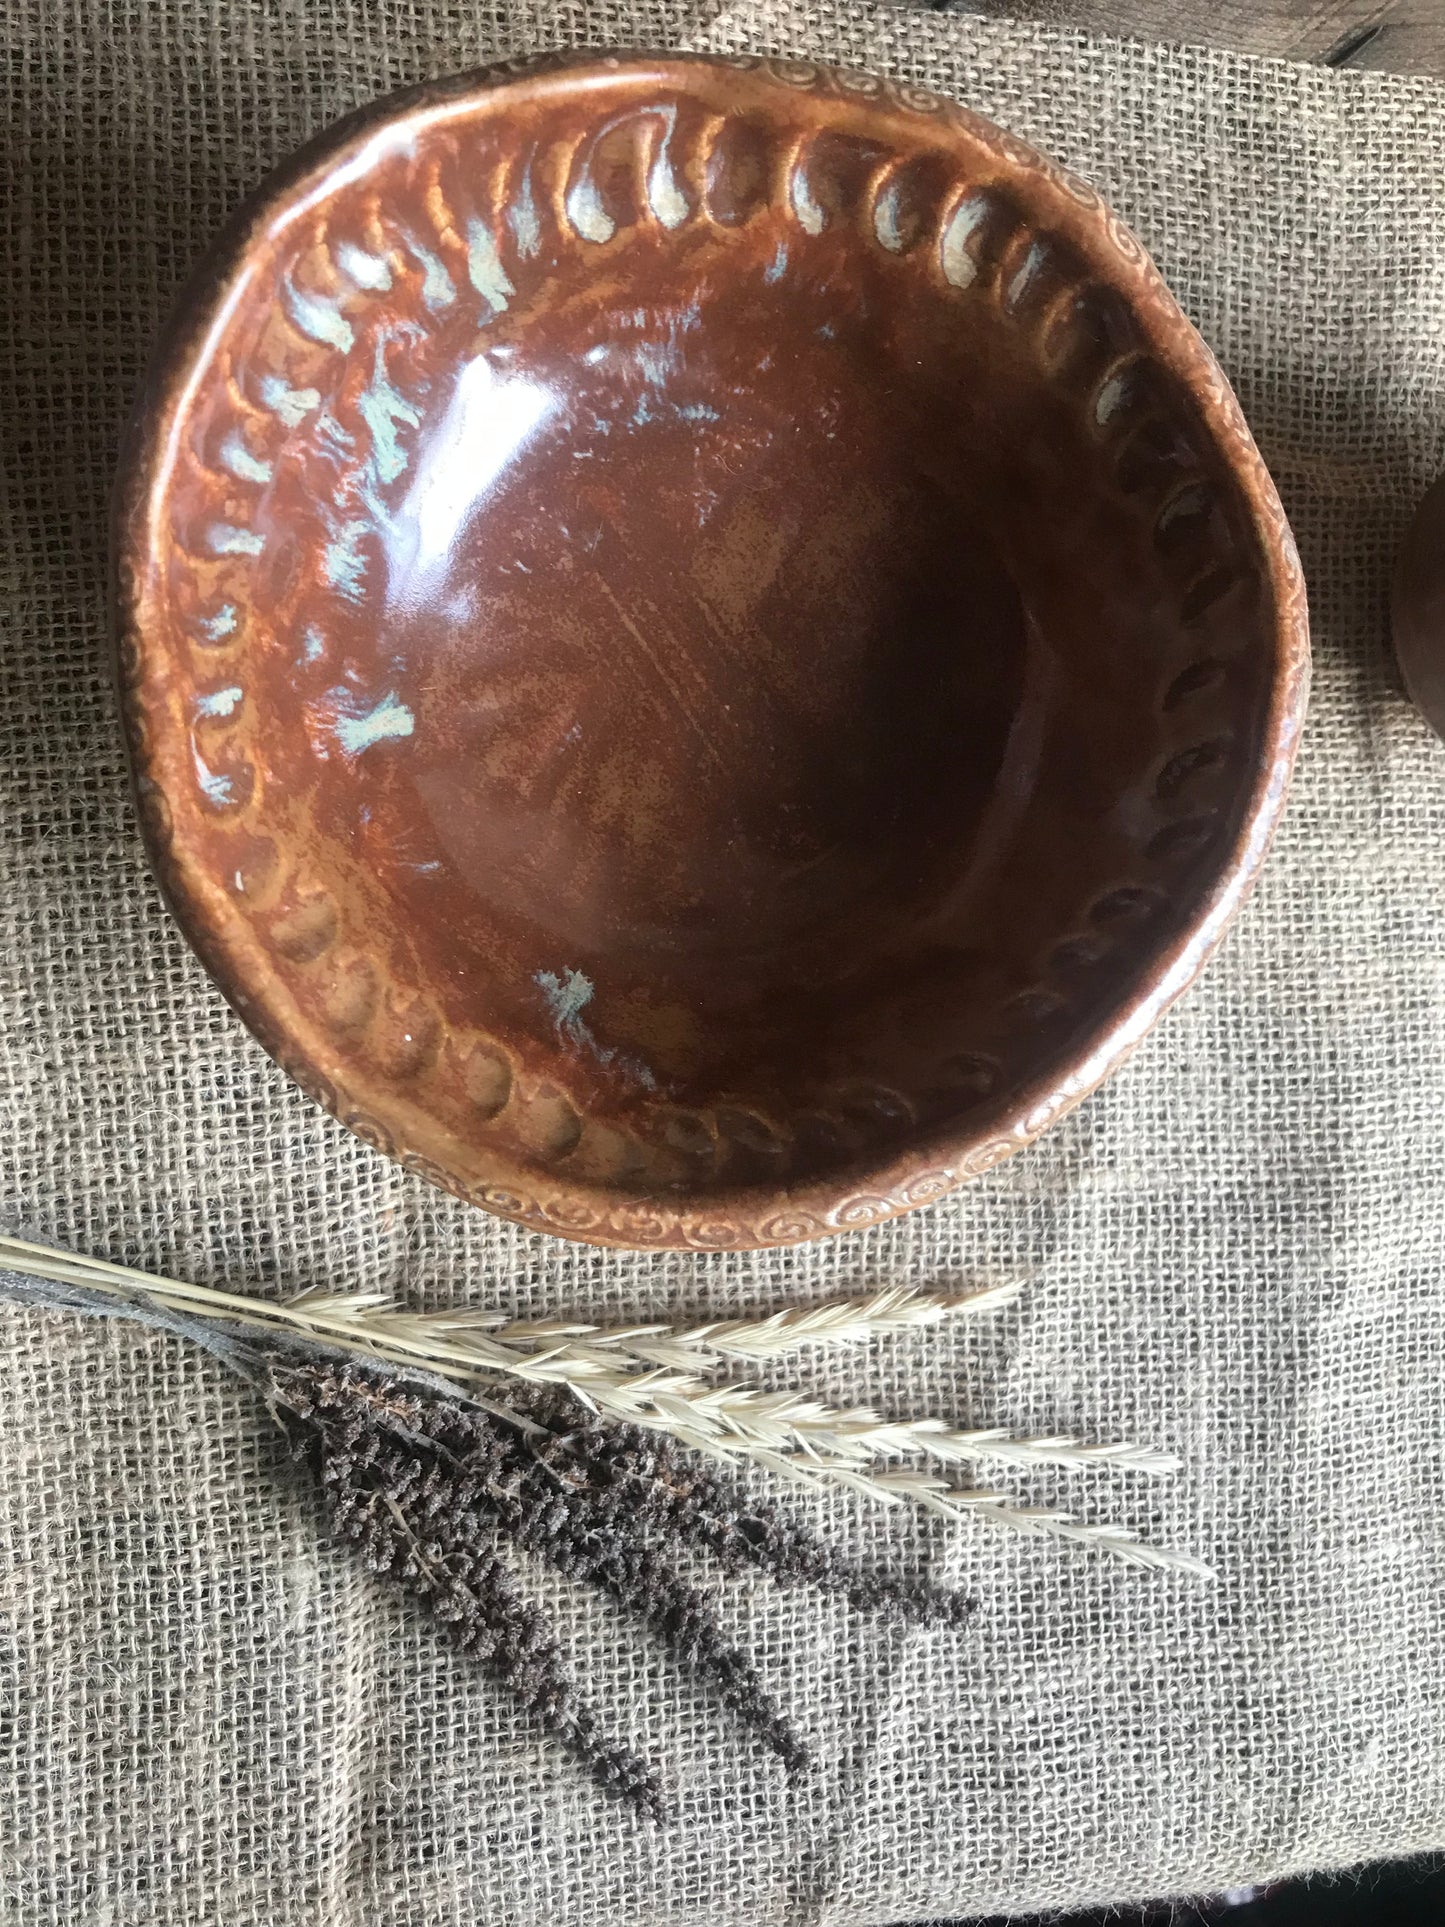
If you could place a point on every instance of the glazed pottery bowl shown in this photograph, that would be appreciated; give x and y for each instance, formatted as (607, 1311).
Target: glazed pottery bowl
(703, 645)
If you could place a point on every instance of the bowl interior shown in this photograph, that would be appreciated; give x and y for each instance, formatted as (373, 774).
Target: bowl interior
(692, 645)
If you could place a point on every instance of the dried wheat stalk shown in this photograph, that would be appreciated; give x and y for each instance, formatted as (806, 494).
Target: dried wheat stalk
(801, 1437)
(997, 1508)
(586, 1358)
(837, 1321)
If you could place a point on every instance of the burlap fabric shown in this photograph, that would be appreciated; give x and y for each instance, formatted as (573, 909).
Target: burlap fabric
(210, 1714)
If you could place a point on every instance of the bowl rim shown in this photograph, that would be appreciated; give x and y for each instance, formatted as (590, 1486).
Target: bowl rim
(937, 1161)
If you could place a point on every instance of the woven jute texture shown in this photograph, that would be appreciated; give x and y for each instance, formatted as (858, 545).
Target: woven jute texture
(208, 1712)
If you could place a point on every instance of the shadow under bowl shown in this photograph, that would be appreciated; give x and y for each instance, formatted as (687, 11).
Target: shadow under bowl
(704, 647)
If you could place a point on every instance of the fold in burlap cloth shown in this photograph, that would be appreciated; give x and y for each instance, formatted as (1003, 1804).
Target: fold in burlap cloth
(209, 1712)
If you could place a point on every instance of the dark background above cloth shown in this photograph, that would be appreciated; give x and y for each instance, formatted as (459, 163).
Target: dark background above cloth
(1398, 36)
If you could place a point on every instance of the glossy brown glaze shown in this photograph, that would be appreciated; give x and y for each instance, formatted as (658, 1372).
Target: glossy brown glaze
(704, 646)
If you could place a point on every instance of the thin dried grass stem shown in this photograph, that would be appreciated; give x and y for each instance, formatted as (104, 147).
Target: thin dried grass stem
(789, 1421)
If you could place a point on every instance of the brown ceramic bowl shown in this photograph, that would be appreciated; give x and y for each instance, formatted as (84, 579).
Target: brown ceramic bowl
(704, 647)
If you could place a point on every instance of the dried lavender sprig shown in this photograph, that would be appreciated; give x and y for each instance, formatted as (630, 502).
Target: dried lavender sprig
(459, 1476)
(590, 1539)
(668, 1487)
(370, 1481)
(598, 1501)
(689, 1498)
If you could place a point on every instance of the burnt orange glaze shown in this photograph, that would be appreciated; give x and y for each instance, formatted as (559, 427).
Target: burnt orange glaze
(704, 646)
